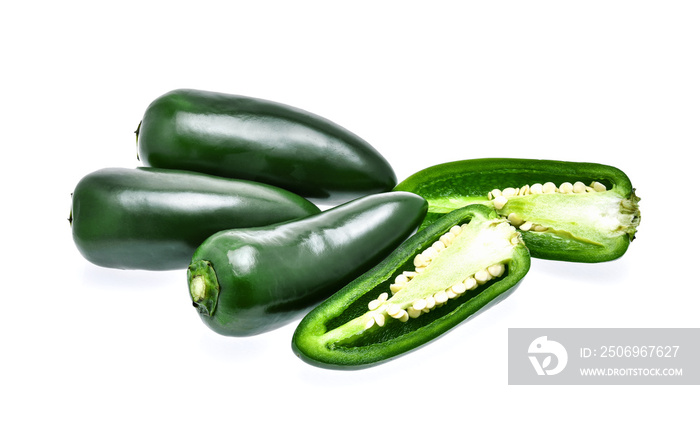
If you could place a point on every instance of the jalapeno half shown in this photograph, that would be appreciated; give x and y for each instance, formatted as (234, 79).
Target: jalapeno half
(580, 212)
(460, 264)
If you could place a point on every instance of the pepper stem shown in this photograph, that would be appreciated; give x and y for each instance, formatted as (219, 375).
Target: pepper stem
(204, 286)
(630, 215)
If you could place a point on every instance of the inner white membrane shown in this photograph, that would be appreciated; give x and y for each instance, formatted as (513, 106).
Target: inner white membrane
(462, 259)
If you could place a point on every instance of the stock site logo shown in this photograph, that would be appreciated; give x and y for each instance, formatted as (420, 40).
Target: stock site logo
(545, 349)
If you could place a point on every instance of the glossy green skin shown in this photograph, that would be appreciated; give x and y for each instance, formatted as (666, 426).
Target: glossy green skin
(270, 276)
(451, 185)
(264, 141)
(395, 338)
(154, 219)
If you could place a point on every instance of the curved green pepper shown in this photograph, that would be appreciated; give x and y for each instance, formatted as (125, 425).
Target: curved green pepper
(259, 140)
(462, 263)
(579, 212)
(154, 219)
(248, 281)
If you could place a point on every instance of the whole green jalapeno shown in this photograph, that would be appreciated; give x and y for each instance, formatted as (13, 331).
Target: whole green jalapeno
(154, 219)
(260, 140)
(461, 264)
(569, 211)
(248, 281)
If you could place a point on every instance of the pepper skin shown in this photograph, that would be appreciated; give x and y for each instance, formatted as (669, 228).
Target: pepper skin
(263, 141)
(248, 281)
(575, 222)
(464, 262)
(154, 219)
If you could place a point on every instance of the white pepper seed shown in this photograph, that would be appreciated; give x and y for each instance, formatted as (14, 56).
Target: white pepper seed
(379, 319)
(579, 188)
(450, 237)
(499, 202)
(514, 219)
(401, 279)
(419, 305)
(393, 310)
(549, 188)
(509, 192)
(412, 312)
(598, 187)
(470, 283)
(536, 188)
(441, 297)
(496, 270)
(459, 288)
(420, 261)
(482, 276)
(566, 188)
(430, 253)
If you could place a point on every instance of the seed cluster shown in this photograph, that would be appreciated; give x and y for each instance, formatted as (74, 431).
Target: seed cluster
(523, 225)
(382, 306)
(500, 198)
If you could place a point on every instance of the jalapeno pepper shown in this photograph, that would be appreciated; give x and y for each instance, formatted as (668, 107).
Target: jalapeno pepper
(154, 219)
(260, 140)
(461, 264)
(248, 281)
(580, 212)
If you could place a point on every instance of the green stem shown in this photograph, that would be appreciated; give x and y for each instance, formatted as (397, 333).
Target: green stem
(204, 286)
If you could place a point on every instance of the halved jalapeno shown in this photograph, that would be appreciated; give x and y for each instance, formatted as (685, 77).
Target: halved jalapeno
(460, 264)
(579, 212)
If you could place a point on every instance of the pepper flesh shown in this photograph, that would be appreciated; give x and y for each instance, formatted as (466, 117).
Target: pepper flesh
(340, 333)
(154, 219)
(248, 281)
(589, 225)
(260, 140)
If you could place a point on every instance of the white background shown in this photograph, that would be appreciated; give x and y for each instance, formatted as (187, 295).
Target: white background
(93, 354)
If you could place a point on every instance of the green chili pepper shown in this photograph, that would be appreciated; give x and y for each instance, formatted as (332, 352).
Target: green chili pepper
(248, 281)
(154, 219)
(579, 212)
(259, 140)
(462, 263)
